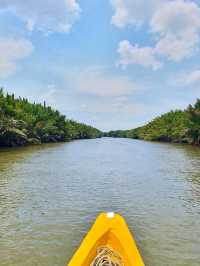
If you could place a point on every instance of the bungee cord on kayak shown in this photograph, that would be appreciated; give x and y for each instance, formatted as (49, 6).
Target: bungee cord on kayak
(107, 257)
(108, 243)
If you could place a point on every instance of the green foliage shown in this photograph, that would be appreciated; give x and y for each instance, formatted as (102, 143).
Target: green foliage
(175, 126)
(22, 122)
(194, 122)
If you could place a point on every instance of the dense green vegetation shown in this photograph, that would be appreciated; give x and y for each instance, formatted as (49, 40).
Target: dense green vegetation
(175, 126)
(22, 122)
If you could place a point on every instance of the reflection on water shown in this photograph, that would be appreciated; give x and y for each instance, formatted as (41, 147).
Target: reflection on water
(50, 195)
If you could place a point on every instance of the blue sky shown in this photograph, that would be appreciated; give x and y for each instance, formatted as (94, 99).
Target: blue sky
(114, 64)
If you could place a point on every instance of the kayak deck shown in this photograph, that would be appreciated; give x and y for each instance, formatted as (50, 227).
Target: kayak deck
(111, 231)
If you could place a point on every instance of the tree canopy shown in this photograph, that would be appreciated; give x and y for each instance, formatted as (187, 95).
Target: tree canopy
(174, 126)
(22, 122)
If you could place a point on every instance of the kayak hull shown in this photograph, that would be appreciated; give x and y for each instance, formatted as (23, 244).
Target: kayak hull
(108, 231)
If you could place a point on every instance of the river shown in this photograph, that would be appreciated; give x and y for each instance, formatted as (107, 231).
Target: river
(51, 194)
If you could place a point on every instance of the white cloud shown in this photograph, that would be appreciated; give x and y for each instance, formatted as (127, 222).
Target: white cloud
(113, 105)
(10, 52)
(101, 91)
(132, 54)
(176, 17)
(133, 12)
(95, 81)
(176, 49)
(191, 78)
(103, 103)
(178, 24)
(46, 16)
(175, 24)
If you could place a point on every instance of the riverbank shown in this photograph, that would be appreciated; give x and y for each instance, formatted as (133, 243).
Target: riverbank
(175, 126)
(23, 123)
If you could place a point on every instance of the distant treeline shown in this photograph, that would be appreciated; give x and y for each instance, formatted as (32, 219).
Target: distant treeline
(176, 126)
(22, 122)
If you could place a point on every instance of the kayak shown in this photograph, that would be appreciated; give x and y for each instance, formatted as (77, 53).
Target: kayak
(109, 242)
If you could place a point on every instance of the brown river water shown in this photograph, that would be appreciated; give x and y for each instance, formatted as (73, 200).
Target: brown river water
(51, 194)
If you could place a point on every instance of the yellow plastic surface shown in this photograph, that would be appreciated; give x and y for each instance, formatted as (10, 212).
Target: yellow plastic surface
(111, 232)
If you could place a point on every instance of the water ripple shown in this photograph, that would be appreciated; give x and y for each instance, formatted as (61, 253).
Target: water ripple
(50, 195)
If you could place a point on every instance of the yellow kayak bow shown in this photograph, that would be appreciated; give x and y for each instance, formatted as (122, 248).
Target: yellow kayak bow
(108, 241)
